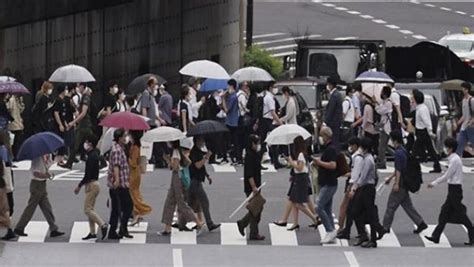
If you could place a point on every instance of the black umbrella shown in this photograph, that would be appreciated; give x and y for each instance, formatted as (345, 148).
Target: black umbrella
(139, 84)
(207, 127)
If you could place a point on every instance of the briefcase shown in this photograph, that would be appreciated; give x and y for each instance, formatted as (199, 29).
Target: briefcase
(255, 205)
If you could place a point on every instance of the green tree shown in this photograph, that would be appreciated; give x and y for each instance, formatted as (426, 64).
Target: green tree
(256, 56)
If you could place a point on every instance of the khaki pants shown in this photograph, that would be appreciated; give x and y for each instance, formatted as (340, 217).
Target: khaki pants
(92, 191)
(38, 197)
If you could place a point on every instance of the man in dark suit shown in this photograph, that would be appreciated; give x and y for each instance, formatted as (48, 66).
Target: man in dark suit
(333, 114)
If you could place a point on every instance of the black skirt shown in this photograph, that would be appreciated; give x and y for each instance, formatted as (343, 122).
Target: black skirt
(298, 192)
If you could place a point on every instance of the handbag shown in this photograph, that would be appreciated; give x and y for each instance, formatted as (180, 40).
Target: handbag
(255, 205)
(245, 121)
(185, 177)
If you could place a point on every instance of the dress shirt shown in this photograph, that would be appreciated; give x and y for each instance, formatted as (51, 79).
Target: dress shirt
(423, 118)
(367, 172)
(454, 173)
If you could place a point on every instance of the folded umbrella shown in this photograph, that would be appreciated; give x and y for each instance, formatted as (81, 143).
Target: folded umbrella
(139, 84)
(163, 134)
(12, 87)
(105, 143)
(204, 69)
(71, 74)
(207, 127)
(126, 120)
(285, 134)
(210, 85)
(39, 144)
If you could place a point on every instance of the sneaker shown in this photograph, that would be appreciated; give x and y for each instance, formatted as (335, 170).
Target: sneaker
(20, 232)
(104, 231)
(241, 228)
(329, 238)
(164, 233)
(56, 233)
(213, 227)
(90, 236)
(257, 237)
(199, 230)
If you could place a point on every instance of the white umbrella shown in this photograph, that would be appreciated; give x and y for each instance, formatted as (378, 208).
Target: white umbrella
(285, 134)
(204, 69)
(105, 143)
(7, 79)
(71, 74)
(163, 134)
(252, 74)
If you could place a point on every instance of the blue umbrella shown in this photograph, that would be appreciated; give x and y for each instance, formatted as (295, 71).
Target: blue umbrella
(40, 144)
(210, 85)
(374, 76)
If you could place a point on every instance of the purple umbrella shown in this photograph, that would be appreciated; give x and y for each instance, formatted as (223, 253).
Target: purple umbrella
(13, 88)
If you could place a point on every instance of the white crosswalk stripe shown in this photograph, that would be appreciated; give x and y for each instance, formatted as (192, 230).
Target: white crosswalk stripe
(230, 235)
(138, 232)
(443, 240)
(36, 231)
(281, 236)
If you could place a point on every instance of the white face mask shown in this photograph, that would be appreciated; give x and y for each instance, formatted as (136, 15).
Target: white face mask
(155, 92)
(122, 97)
(198, 87)
(66, 92)
(204, 148)
(321, 140)
(86, 146)
(350, 149)
(390, 143)
(275, 91)
(49, 92)
(446, 152)
(259, 147)
(127, 139)
(328, 87)
(155, 88)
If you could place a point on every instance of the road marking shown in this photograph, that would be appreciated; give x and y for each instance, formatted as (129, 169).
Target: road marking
(389, 240)
(391, 26)
(328, 5)
(406, 31)
(472, 16)
(340, 8)
(366, 16)
(290, 53)
(230, 235)
(379, 21)
(223, 168)
(288, 39)
(281, 236)
(281, 47)
(461, 13)
(267, 35)
(79, 230)
(389, 169)
(177, 257)
(445, 8)
(346, 38)
(443, 241)
(138, 232)
(419, 37)
(353, 12)
(36, 232)
(183, 237)
(350, 257)
(430, 5)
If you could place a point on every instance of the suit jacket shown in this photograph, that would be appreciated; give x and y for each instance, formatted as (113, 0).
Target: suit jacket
(333, 115)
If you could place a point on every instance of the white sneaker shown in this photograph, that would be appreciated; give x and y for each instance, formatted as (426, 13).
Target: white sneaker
(329, 238)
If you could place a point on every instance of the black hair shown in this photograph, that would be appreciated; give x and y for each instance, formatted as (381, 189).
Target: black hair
(253, 139)
(397, 136)
(331, 81)
(299, 147)
(466, 86)
(386, 92)
(112, 83)
(451, 143)
(366, 143)
(119, 133)
(270, 84)
(91, 138)
(136, 135)
(354, 141)
(418, 96)
(232, 83)
(184, 91)
(349, 90)
(357, 87)
(286, 89)
(60, 89)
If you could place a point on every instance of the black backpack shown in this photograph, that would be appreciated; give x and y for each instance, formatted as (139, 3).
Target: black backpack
(412, 177)
(255, 106)
(405, 106)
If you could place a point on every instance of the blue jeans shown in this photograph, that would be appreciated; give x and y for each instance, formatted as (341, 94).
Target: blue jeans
(324, 206)
(463, 137)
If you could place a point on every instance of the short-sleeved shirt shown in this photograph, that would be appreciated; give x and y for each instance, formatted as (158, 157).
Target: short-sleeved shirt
(400, 160)
(109, 101)
(165, 105)
(195, 156)
(118, 158)
(348, 109)
(232, 118)
(61, 108)
(328, 177)
(268, 105)
(185, 106)
(252, 169)
(86, 121)
(395, 98)
(148, 102)
(466, 112)
(41, 166)
(302, 159)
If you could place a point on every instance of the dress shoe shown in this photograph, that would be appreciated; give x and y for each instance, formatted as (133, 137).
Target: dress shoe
(213, 227)
(20, 233)
(56, 233)
(89, 236)
(263, 168)
(104, 230)
(113, 236)
(420, 228)
(381, 233)
(278, 166)
(294, 227)
(185, 229)
(432, 239)
(282, 224)
(343, 235)
(9, 235)
(257, 237)
(436, 170)
(369, 244)
(175, 225)
(360, 241)
(126, 235)
(241, 228)
(65, 166)
(470, 243)
(164, 233)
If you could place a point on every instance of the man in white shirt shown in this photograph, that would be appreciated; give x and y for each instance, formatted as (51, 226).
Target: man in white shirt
(245, 120)
(424, 131)
(348, 116)
(452, 211)
(194, 87)
(466, 132)
(385, 111)
(270, 117)
(395, 99)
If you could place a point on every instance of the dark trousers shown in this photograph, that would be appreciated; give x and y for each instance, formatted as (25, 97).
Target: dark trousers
(121, 209)
(375, 142)
(196, 193)
(10, 202)
(250, 219)
(453, 211)
(236, 147)
(243, 134)
(266, 126)
(80, 134)
(365, 211)
(17, 142)
(424, 143)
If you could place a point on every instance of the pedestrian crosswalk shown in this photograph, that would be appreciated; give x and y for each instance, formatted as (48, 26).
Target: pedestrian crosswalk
(228, 235)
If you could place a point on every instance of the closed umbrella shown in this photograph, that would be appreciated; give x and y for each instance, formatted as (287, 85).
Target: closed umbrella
(210, 85)
(163, 134)
(71, 74)
(252, 74)
(139, 84)
(285, 134)
(7, 79)
(13, 88)
(39, 144)
(374, 76)
(126, 120)
(207, 127)
(204, 69)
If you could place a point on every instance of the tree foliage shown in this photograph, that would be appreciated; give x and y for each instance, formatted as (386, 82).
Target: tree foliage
(256, 56)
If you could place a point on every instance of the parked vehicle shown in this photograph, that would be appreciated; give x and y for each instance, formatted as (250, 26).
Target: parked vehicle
(462, 44)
